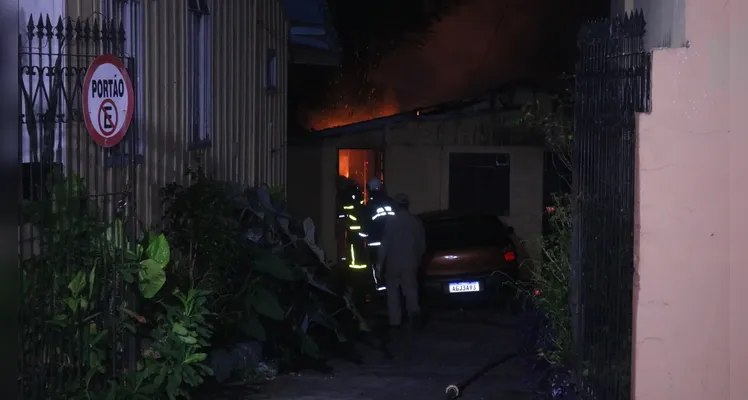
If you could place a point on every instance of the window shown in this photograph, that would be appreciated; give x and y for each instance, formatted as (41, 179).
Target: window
(479, 183)
(199, 74)
(272, 70)
(38, 56)
(130, 13)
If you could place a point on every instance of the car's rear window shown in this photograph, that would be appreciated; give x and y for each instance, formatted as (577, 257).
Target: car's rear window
(457, 233)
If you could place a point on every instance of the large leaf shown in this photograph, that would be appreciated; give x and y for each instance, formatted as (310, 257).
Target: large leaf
(363, 325)
(195, 358)
(254, 329)
(317, 283)
(77, 284)
(322, 318)
(91, 281)
(152, 278)
(271, 264)
(158, 249)
(309, 346)
(266, 304)
(309, 239)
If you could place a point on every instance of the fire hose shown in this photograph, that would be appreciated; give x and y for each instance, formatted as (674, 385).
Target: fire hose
(455, 390)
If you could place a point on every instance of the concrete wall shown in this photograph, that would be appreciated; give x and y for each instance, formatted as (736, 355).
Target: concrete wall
(692, 228)
(423, 173)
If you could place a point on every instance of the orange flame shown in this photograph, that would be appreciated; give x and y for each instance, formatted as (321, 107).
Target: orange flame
(347, 113)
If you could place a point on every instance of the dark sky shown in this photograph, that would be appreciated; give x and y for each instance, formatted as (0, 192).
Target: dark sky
(479, 45)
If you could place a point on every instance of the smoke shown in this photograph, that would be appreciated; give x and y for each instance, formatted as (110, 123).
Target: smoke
(482, 44)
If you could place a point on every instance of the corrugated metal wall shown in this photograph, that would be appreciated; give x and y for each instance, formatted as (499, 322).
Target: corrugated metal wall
(165, 95)
(250, 119)
(82, 8)
(272, 34)
(249, 134)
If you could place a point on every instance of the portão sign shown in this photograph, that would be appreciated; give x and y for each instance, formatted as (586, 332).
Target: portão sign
(108, 100)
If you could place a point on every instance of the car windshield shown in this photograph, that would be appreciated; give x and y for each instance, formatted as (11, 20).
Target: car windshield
(457, 233)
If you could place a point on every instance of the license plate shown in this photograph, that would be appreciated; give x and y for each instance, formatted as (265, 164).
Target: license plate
(463, 287)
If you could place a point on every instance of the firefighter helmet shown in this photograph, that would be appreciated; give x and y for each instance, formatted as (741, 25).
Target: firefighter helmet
(374, 184)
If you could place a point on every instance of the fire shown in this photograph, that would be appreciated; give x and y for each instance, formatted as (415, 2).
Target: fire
(350, 114)
(378, 105)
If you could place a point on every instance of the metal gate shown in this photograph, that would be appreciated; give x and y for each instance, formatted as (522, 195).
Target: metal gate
(76, 202)
(612, 84)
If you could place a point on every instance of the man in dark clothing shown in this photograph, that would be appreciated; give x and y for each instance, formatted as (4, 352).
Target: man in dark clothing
(403, 245)
(379, 208)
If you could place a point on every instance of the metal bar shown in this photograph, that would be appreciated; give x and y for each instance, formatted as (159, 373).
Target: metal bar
(612, 85)
(53, 60)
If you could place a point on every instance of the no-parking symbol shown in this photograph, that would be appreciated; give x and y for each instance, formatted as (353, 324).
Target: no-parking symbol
(107, 100)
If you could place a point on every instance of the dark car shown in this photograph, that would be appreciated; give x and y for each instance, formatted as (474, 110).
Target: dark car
(467, 254)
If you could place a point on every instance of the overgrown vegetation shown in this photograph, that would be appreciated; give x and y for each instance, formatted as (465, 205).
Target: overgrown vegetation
(550, 286)
(267, 279)
(81, 287)
(228, 267)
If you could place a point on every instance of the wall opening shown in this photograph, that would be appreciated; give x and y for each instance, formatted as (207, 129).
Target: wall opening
(360, 165)
(479, 182)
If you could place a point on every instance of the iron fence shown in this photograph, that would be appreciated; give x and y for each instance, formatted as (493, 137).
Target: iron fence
(612, 84)
(70, 241)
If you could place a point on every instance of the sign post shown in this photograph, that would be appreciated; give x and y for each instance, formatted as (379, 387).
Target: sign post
(108, 99)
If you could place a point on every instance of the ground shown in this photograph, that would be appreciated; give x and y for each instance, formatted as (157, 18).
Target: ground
(452, 346)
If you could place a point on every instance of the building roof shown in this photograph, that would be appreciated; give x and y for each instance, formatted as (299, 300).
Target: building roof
(313, 38)
(494, 101)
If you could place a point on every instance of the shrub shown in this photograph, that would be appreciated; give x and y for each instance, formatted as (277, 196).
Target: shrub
(266, 277)
(73, 322)
(550, 284)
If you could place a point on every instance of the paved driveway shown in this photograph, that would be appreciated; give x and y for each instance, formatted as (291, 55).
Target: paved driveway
(450, 349)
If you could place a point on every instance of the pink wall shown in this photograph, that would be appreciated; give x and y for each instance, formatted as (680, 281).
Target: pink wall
(691, 321)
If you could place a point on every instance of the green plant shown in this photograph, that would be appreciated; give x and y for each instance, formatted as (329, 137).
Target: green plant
(71, 323)
(550, 285)
(267, 278)
(551, 282)
(175, 356)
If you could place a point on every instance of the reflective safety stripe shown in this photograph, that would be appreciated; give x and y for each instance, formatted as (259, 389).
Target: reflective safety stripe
(382, 214)
(362, 234)
(341, 216)
(376, 282)
(353, 260)
(374, 244)
(348, 207)
(352, 218)
(355, 227)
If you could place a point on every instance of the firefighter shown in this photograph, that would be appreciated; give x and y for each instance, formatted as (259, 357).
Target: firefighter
(350, 211)
(379, 208)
